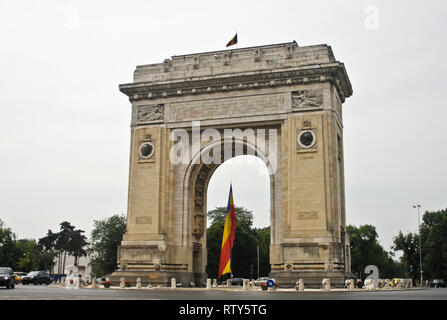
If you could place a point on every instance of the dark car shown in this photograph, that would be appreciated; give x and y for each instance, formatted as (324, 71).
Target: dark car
(7, 278)
(438, 283)
(237, 281)
(37, 277)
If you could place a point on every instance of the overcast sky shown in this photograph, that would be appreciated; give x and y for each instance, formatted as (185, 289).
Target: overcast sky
(64, 125)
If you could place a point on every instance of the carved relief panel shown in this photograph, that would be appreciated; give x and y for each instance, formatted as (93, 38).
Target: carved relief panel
(198, 227)
(307, 99)
(150, 113)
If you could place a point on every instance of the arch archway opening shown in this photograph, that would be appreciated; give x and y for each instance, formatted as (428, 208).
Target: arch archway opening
(250, 178)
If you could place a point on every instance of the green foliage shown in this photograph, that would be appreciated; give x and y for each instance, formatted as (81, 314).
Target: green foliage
(434, 246)
(213, 245)
(244, 254)
(71, 241)
(434, 239)
(67, 241)
(409, 245)
(49, 241)
(28, 255)
(48, 250)
(7, 246)
(263, 236)
(366, 250)
(244, 217)
(23, 254)
(106, 237)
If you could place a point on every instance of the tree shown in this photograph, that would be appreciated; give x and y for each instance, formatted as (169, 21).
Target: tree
(70, 241)
(433, 235)
(49, 241)
(409, 245)
(434, 240)
(244, 252)
(67, 241)
(47, 247)
(105, 239)
(76, 244)
(7, 246)
(63, 237)
(263, 236)
(366, 250)
(27, 253)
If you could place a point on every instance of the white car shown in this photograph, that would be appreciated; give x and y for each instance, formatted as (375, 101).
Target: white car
(260, 281)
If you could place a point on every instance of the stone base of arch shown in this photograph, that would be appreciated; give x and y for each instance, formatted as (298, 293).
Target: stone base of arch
(312, 278)
(159, 278)
(156, 264)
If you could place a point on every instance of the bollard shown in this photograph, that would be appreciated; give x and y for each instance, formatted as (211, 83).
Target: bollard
(326, 284)
(138, 283)
(349, 284)
(370, 284)
(300, 285)
(93, 283)
(173, 283)
(122, 283)
(208, 283)
(214, 283)
(245, 284)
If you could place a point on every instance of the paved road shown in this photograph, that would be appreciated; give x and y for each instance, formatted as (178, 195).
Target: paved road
(54, 293)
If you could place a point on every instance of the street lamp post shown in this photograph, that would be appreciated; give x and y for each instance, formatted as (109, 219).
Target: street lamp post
(418, 206)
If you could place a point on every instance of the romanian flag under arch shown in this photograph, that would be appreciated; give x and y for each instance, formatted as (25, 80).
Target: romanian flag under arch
(225, 264)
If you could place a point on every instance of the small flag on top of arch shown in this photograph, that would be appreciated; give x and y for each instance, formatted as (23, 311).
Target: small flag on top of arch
(232, 41)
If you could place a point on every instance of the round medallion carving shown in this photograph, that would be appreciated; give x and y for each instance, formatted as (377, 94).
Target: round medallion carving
(306, 139)
(146, 150)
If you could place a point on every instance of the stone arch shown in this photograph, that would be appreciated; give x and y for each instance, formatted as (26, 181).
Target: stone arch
(297, 90)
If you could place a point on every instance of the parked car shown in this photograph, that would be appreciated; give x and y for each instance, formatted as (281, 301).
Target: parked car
(7, 278)
(37, 277)
(260, 281)
(237, 281)
(18, 276)
(438, 283)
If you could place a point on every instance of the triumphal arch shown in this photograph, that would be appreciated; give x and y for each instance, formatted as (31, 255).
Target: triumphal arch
(282, 103)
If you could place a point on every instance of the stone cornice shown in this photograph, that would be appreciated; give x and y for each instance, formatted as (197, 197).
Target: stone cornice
(333, 72)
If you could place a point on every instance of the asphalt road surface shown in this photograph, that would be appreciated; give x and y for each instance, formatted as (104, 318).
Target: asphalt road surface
(197, 303)
(42, 292)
